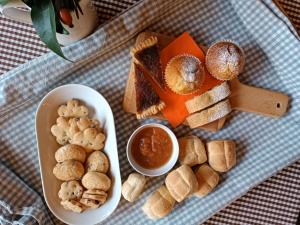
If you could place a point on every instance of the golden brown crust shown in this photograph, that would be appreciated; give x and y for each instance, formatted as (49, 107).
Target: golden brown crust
(151, 111)
(146, 55)
(148, 102)
(151, 41)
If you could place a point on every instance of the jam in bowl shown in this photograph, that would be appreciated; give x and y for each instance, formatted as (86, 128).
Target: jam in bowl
(152, 149)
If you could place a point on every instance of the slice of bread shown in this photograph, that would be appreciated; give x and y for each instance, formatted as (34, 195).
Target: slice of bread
(208, 98)
(213, 113)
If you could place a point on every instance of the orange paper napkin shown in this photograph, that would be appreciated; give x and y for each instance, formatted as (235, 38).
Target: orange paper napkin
(175, 111)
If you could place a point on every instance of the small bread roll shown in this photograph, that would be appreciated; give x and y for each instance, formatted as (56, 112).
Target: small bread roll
(207, 178)
(221, 155)
(133, 187)
(159, 204)
(95, 180)
(98, 162)
(68, 170)
(181, 183)
(69, 152)
(191, 151)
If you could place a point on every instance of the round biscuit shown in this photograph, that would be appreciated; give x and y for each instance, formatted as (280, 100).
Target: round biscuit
(98, 162)
(96, 180)
(68, 170)
(69, 152)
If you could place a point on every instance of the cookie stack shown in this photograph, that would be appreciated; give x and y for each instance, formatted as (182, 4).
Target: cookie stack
(81, 164)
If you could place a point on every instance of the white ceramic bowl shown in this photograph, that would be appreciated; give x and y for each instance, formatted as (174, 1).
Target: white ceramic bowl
(160, 170)
(45, 117)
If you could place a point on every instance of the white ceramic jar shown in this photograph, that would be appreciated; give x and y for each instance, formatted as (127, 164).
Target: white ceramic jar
(83, 26)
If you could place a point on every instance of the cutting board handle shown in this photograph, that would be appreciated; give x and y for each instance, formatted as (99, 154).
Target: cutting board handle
(257, 100)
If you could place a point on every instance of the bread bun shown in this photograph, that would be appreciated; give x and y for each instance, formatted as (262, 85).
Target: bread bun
(159, 204)
(133, 187)
(181, 183)
(221, 155)
(207, 179)
(191, 151)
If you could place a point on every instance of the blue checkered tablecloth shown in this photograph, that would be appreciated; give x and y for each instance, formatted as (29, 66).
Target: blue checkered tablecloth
(265, 145)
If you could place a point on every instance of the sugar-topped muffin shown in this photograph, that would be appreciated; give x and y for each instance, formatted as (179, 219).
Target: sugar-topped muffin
(225, 60)
(184, 74)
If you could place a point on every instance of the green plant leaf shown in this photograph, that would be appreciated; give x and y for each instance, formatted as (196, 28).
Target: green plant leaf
(3, 2)
(43, 19)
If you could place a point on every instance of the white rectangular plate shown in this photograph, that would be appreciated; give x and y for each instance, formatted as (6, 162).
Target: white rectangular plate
(45, 117)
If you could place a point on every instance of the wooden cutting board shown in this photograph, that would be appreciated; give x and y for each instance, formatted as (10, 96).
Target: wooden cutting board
(261, 101)
(129, 104)
(243, 97)
(257, 100)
